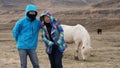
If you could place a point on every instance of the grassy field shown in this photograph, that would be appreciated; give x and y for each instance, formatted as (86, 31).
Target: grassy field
(106, 52)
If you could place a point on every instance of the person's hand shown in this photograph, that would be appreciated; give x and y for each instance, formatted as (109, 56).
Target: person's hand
(50, 43)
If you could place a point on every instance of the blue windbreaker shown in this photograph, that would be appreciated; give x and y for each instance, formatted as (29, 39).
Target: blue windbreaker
(26, 32)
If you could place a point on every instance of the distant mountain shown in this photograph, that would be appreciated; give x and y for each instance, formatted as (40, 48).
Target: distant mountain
(67, 2)
(101, 17)
(95, 1)
(75, 2)
(108, 4)
(14, 3)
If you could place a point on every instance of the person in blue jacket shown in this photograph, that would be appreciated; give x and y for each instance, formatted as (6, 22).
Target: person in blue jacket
(25, 32)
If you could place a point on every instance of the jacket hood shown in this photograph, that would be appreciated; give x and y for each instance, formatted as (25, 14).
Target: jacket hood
(30, 7)
(47, 13)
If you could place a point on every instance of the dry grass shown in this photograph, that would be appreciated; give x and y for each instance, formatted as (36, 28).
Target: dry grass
(105, 52)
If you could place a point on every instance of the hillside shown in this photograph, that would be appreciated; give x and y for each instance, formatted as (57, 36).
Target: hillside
(74, 2)
(107, 19)
(90, 16)
(108, 4)
(17, 3)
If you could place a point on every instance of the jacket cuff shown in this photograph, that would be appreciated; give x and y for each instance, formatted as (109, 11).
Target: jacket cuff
(50, 43)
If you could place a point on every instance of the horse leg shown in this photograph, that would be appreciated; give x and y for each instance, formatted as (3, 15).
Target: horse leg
(76, 50)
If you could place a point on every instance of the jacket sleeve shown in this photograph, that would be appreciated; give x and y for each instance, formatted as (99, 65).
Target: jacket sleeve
(16, 30)
(45, 40)
(61, 31)
(61, 42)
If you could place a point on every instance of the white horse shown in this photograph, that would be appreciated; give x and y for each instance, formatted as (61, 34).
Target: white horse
(80, 36)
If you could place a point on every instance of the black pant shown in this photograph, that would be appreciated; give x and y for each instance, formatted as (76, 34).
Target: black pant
(55, 58)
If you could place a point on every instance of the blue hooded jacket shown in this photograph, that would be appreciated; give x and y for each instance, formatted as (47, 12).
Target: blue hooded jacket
(26, 32)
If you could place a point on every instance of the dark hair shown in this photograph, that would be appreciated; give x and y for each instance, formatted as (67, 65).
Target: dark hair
(42, 18)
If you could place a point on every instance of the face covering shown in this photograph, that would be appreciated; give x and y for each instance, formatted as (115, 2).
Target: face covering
(31, 16)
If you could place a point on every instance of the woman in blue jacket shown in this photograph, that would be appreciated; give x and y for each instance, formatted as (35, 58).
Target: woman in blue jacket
(26, 32)
(53, 37)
